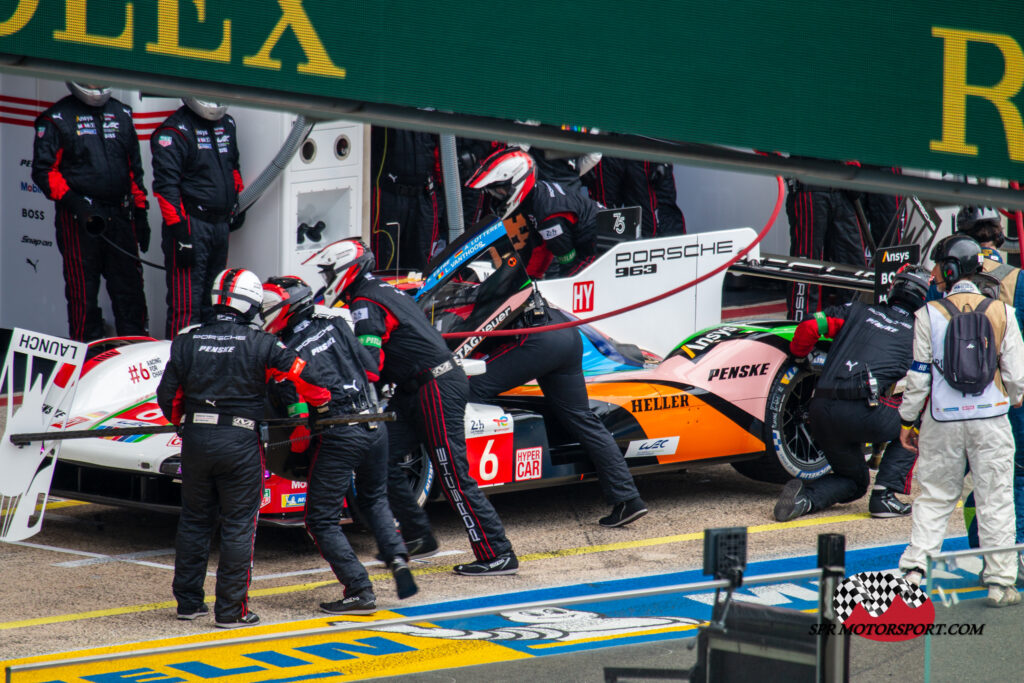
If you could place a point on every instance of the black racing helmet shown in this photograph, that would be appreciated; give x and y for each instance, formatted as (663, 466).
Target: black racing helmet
(909, 289)
(982, 223)
(958, 256)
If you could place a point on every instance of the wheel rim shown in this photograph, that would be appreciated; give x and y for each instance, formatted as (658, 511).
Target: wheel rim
(797, 443)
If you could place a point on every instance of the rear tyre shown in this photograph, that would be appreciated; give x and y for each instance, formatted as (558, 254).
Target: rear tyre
(418, 470)
(790, 450)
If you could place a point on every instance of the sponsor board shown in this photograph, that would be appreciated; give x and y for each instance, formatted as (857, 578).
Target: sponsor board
(583, 296)
(529, 463)
(649, 447)
(293, 500)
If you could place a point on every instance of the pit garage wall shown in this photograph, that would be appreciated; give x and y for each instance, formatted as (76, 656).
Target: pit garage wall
(716, 200)
(322, 188)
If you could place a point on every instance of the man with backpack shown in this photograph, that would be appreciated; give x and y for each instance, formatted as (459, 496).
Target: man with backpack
(853, 401)
(968, 369)
(983, 224)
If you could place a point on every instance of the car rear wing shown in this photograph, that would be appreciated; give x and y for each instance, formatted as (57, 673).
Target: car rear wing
(37, 385)
(794, 269)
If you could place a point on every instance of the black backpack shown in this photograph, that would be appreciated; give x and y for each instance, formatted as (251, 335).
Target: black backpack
(970, 355)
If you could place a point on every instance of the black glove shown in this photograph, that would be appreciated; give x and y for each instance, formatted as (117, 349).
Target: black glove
(236, 218)
(803, 363)
(88, 215)
(319, 413)
(184, 253)
(140, 221)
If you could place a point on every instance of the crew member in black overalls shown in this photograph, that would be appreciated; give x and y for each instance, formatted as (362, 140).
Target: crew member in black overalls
(555, 360)
(85, 157)
(196, 180)
(328, 345)
(407, 212)
(214, 388)
(823, 226)
(871, 351)
(617, 182)
(431, 392)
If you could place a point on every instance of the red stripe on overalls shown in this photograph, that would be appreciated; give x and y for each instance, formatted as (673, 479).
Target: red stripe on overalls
(433, 411)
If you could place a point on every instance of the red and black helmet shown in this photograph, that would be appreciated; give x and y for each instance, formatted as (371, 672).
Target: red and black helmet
(340, 263)
(508, 175)
(286, 300)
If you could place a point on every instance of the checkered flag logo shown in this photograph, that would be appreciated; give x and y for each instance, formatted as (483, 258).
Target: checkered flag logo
(876, 591)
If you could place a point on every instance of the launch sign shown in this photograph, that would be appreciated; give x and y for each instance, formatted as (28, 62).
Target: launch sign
(933, 84)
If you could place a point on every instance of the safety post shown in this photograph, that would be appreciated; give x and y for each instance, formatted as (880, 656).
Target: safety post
(834, 650)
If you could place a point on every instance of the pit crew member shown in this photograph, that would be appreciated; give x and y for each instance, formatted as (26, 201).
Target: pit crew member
(429, 399)
(957, 429)
(407, 209)
(852, 402)
(85, 157)
(647, 184)
(985, 227)
(562, 223)
(196, 180)
(327, 344)
(555, 360)
(214, 389)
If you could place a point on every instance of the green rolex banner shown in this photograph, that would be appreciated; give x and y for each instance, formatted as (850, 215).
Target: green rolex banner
(928, 84)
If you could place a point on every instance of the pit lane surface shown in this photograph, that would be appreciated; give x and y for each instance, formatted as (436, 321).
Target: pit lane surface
(100, 575)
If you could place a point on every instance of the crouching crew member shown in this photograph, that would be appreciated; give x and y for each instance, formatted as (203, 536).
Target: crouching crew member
(214, 388)
(430, 397)
(327, 344)
(871, 352)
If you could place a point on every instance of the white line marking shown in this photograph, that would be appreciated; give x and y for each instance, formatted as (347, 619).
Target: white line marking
(118, 558)
(370, 564)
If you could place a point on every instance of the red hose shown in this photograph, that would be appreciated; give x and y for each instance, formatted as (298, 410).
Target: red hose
(515, 332)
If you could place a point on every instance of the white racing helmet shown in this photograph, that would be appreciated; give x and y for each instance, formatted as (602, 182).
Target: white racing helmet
(508, 175)
(89, 93)
(211, 111)
(239, 289)
(340, 263)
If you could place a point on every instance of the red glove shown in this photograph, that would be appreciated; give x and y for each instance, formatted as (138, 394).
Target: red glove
(300, 439)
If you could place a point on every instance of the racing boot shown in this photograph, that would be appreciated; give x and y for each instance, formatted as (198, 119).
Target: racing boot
(363, 603)
(425, 546)
(405, 585)
(189, 614)
(418, 548)
(502, 564)
(793, 502)
(247, 619)
(884, 503)
(625, 512)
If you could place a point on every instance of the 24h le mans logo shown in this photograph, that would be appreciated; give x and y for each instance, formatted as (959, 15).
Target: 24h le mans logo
(883, 606)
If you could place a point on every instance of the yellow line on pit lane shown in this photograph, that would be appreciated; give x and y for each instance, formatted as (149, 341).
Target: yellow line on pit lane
(532, 557)
(55, 505)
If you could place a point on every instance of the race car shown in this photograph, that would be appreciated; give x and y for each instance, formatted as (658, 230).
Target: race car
(725, 393)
